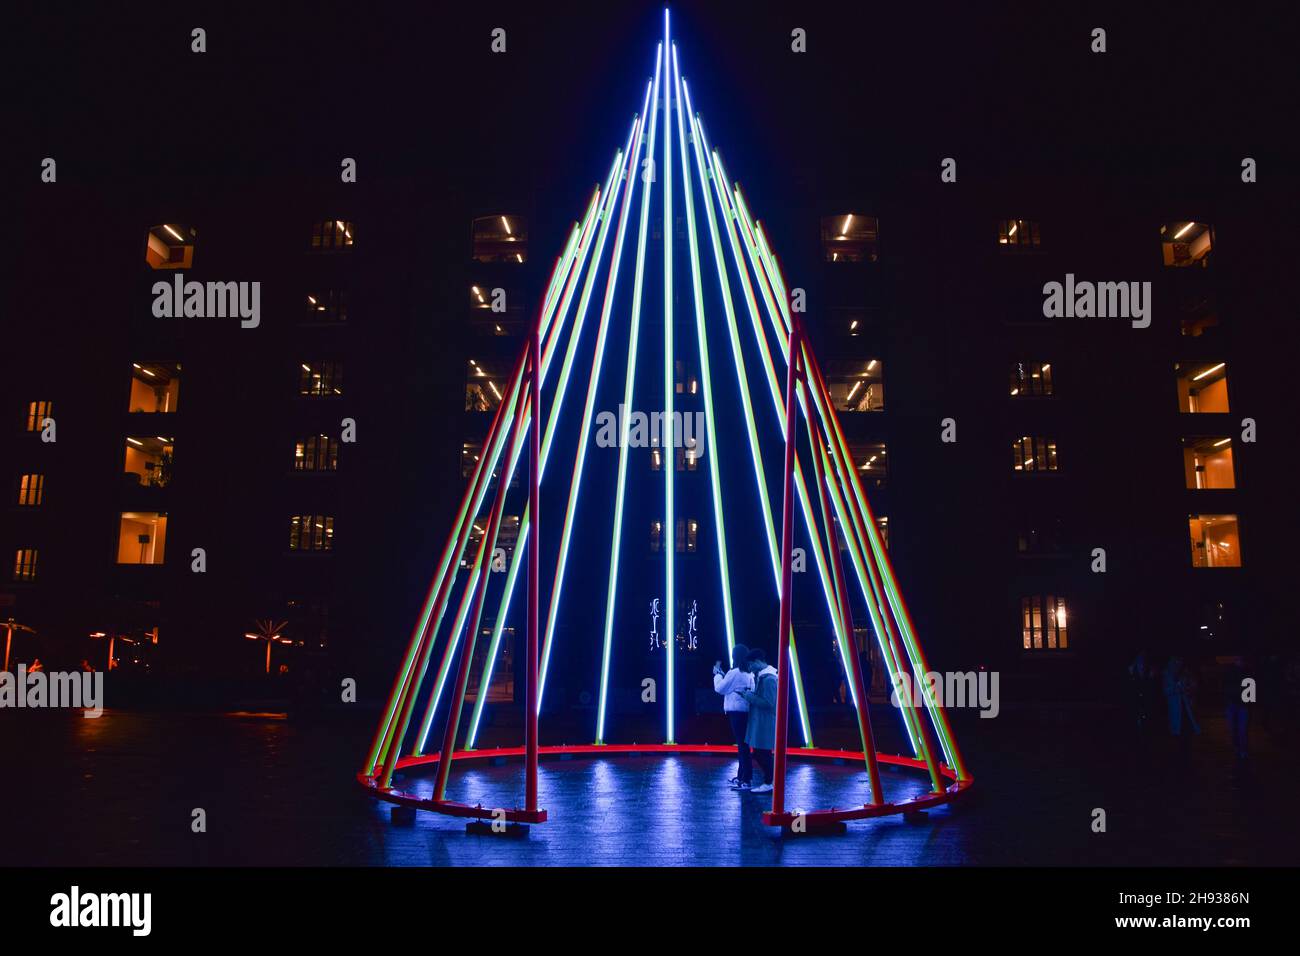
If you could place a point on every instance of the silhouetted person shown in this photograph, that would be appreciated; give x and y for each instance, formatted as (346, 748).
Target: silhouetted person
(1177, 687)
(730, 685)
(1139, 689)
(1237, 710)
(760, 733)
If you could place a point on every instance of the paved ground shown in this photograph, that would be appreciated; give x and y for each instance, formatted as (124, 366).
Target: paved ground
(120, 791)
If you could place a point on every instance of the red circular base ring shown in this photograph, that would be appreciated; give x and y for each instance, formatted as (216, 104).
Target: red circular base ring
(812, 819)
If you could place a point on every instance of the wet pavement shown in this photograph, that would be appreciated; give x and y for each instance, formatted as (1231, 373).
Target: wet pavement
(122, 790)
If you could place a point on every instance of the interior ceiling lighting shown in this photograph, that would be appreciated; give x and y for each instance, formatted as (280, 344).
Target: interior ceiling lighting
(1208, 371)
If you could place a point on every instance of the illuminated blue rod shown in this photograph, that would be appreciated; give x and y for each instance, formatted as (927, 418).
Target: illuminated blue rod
(633, 341)
(617, 175)
(559, 303)
(760, 477)
(593, 384)
(730, 214)
(706, 375)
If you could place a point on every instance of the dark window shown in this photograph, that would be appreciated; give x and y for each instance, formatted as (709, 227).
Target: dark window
(1041, 537)
(326, 305)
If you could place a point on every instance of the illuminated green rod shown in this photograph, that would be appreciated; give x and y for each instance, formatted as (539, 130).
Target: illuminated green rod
(843, 462)
(456, 537)
(668, 432)
(742, 383)
(488, 460)
(706, 376)
(453, 638)
(593, 383)
(608, 197)
(624, 419)
(730, 211)
(781, 326)
(908, 717)
(889, 597)
(719, 179)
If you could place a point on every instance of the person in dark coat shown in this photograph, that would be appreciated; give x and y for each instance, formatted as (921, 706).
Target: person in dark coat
(760, 732)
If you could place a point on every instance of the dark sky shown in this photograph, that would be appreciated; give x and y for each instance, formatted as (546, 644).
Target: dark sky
(414, 88)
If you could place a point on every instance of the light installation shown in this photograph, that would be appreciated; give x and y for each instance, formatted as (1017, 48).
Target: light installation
(666, 157)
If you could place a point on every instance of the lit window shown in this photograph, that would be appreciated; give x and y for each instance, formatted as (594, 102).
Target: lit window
(1041, 537)
(1202, 387)
(688, 459)
(687, 382)
(656, 536)
(656, 459)
(170, 247)
(31, 489)
(872, 462)
(1018, 233)
(854, 321)
(326, 305)
(1216, 541)
(500, 238)
(332, 234)
(470, 452)
(155, 387)
(1031, 380)
(857, 386)
(882, 526)
(850, 238)
(311, 533)
(1043, 623)
(320, 379)
(484, 385)
(1186, 244)
(37, 412)
(25, 564)
(501, 688)
(495, 311)
(316, 453)
(1207, 463)
(687, 535)
(1197, 315)
(1034, 453)
(149, 460)
(141, 537)
(507, 538)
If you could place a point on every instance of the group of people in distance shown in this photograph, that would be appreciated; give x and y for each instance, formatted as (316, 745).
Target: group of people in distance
(748, 692)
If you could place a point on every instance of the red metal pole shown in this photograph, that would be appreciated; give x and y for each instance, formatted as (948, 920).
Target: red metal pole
(484, 561)
(534, 549)
(822, 468)
(387, 743)
(787, 544)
